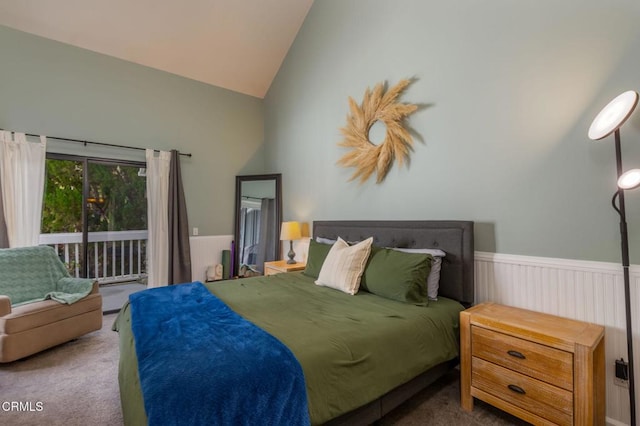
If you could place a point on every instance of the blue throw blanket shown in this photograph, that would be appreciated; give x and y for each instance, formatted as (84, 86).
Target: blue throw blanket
(200, 363)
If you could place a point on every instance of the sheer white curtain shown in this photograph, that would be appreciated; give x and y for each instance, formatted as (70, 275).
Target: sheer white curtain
(22, 166)
(158, 217)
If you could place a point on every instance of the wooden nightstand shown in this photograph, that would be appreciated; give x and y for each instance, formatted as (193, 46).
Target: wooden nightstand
(542, 368)
(280, 266)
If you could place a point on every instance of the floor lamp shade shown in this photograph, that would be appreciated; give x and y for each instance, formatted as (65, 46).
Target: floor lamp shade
(613, 115)
(629, 179)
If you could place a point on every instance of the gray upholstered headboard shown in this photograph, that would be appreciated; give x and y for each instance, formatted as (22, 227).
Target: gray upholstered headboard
(453, 237)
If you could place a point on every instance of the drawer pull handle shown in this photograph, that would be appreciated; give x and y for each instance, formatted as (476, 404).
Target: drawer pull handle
(517, 389)
(516, 354)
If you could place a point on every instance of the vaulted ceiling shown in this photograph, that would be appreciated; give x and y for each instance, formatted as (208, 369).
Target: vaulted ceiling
(235, 44)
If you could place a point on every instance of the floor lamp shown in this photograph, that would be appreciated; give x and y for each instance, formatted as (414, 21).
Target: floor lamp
(608, 121)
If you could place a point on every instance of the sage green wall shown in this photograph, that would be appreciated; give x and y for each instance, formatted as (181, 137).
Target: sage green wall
(55, 89)
(508, 90)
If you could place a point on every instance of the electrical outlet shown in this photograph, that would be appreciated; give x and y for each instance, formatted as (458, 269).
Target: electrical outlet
(622, 373)
(621, 382)
(195, 232)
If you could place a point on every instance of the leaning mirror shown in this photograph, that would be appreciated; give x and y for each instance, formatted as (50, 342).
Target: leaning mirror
(257, 225)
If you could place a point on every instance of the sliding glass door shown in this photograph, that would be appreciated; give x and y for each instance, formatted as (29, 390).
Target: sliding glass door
(116, 221)
(95, 216)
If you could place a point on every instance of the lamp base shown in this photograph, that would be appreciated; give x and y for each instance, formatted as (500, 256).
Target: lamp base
(291, 254)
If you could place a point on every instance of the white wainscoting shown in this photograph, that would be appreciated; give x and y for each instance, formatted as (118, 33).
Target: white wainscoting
(207, 251)
(582, 290)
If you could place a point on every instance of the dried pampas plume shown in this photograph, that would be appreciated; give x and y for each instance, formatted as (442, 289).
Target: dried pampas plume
(366, 156)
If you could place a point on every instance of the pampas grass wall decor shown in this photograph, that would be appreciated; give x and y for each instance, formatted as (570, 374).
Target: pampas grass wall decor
(365, 156)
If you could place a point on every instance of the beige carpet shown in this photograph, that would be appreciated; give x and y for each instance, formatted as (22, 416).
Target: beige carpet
(76, 384)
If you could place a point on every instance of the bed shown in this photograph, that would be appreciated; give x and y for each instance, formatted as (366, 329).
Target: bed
(347, 386)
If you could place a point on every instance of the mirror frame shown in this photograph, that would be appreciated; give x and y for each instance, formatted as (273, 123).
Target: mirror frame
(236, 231)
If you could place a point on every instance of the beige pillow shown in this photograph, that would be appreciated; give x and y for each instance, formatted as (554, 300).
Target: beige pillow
(342, 269)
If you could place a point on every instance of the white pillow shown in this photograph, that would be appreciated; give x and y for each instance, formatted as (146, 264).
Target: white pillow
(343, 267)
(323, 240)
(433, 280)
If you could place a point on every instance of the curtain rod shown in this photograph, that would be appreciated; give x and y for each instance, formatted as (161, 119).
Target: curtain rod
(98, 143)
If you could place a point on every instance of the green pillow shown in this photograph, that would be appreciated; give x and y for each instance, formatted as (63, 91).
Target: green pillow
(397, 275)
(315, 258)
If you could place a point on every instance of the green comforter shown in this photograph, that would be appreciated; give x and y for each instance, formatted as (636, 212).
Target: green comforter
(353, 349)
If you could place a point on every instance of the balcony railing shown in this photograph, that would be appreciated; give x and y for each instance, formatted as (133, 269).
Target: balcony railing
(111, 256)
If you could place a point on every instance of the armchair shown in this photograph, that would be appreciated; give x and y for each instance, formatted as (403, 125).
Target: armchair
(40, 304)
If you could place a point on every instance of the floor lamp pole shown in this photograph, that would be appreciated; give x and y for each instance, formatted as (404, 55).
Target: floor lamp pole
(625, 271)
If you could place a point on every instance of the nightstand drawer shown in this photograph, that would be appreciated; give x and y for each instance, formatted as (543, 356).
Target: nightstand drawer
(547, 364)
(271, 271)
(550, 402)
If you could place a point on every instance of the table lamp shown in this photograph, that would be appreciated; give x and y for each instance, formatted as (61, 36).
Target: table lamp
(290, 231)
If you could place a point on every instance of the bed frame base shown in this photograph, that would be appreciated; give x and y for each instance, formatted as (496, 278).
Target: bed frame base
(375, 410)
